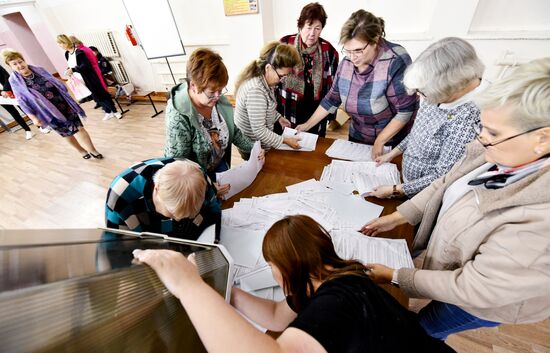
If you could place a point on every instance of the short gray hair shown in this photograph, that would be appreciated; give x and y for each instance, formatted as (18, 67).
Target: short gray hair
(526, 91)
(181, 187)
(444, 68)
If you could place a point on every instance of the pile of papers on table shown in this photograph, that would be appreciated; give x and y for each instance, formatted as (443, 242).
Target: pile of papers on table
(352, 151)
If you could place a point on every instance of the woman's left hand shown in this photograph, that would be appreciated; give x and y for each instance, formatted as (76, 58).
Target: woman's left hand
(174, 270)
(382, 191)
(261, 155)
(380, 273)
(284, 122)
(377, 149)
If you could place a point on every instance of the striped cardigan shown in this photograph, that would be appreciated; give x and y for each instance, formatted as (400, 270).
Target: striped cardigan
(256, 112)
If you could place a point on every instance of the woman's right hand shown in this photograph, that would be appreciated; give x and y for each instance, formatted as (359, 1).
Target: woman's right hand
(174, 270)
(383, 224)
(292, 142)
(385, 158)
(303, 127)
(5, 95)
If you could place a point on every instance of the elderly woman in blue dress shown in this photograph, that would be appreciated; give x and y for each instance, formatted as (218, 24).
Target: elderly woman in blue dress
(47, 103)
(446, 76)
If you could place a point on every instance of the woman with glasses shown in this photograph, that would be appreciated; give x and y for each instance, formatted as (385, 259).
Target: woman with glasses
(447, 76)
(256, 108)
(303, 89)
(485, 224)
(199, 118)
(369, 84)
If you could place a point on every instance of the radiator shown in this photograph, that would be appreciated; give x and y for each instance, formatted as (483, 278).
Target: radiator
(119, 72)
(103, 41)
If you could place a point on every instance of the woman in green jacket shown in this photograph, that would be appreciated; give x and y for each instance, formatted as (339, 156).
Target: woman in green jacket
(199, 118)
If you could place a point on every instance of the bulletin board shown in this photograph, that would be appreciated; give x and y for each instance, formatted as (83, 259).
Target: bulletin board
(240, 7)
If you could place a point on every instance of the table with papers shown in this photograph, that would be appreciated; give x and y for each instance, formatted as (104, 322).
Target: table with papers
(289, 183)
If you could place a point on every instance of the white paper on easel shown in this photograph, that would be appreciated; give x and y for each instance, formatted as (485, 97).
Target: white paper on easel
(307, 141)
(242, 176)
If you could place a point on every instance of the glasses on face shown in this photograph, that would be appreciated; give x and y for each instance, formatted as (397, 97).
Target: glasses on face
(419, 92)
(354, 52)
(281, 77)
(215, 95)
(479, 129)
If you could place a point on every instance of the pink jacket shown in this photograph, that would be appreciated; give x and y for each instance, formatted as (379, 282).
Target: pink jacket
(93, 60)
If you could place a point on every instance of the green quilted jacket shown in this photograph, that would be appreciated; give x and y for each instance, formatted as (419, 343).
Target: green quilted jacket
(183, 134)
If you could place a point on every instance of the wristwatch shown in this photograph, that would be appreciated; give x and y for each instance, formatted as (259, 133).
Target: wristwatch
(394, 281)
(395, 192)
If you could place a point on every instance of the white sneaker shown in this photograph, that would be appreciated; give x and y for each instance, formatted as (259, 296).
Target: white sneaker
(28, 135)
(45, 130)
(118, 115)
(108, 116)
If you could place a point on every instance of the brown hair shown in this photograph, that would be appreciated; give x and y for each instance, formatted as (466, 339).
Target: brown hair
(206, 67)
(277, 54)
(363, 25)
(311, 12)
(302, 250)
(10, 54)
(63, 39)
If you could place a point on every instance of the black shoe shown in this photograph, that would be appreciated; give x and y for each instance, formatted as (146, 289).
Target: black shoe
(97, 156)
(87, 156)
(97, 106)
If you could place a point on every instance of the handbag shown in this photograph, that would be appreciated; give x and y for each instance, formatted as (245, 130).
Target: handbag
(77, 86)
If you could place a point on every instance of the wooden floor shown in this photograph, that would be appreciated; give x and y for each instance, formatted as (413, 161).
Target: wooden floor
(45, 184)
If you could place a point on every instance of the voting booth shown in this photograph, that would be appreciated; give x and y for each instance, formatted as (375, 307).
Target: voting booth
(82, 291)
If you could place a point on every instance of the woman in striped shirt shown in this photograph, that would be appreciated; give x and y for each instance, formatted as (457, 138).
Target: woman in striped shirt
(256, 107)
(369, 84)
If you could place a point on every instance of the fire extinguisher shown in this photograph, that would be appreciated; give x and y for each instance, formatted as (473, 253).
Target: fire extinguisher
(130, 35)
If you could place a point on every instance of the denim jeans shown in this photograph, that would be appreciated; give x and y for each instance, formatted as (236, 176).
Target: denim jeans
(441, 319)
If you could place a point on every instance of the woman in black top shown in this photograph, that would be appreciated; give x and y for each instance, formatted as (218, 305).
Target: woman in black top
(331, 306)
(4, 91)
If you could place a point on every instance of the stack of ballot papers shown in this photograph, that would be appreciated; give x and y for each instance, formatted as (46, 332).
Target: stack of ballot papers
(393, 253)
(242, 176)
(352, 151)
(307, 141)
(361, 176)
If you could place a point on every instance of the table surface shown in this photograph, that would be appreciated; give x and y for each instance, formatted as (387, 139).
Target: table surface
(283, 168)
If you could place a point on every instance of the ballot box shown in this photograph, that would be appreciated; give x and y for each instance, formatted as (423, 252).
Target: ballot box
(80, 290)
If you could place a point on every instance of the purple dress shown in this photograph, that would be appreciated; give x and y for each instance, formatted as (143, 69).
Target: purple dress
(51, 93)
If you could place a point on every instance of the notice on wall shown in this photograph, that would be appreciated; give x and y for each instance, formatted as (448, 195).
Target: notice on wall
(240, 7)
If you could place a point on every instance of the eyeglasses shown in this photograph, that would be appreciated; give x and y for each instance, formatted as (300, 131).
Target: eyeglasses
(479, 129)
(281, 77)
(354, 52)
(216, 94)
(419, 92)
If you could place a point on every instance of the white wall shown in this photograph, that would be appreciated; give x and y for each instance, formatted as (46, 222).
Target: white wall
(520, 29)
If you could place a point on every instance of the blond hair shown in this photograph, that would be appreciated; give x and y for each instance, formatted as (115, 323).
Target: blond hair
(181, 188)
(10, 54)
(75, 40)
(526, 90)
(277, 54)
(444, 68)
(63, 39)
(364, 26)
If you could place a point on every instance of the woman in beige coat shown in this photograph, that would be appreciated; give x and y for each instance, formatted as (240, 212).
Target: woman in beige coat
(485, 224)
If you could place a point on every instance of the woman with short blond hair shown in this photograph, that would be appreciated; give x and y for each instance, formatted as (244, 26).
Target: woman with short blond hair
(163, 195)
(484, 225)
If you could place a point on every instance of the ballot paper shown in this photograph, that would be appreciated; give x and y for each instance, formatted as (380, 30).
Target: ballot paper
(352, 151)
(242, 176)
(307, 141)
(308, 185)
(393, 253)
(258, 280)
(361, 176)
